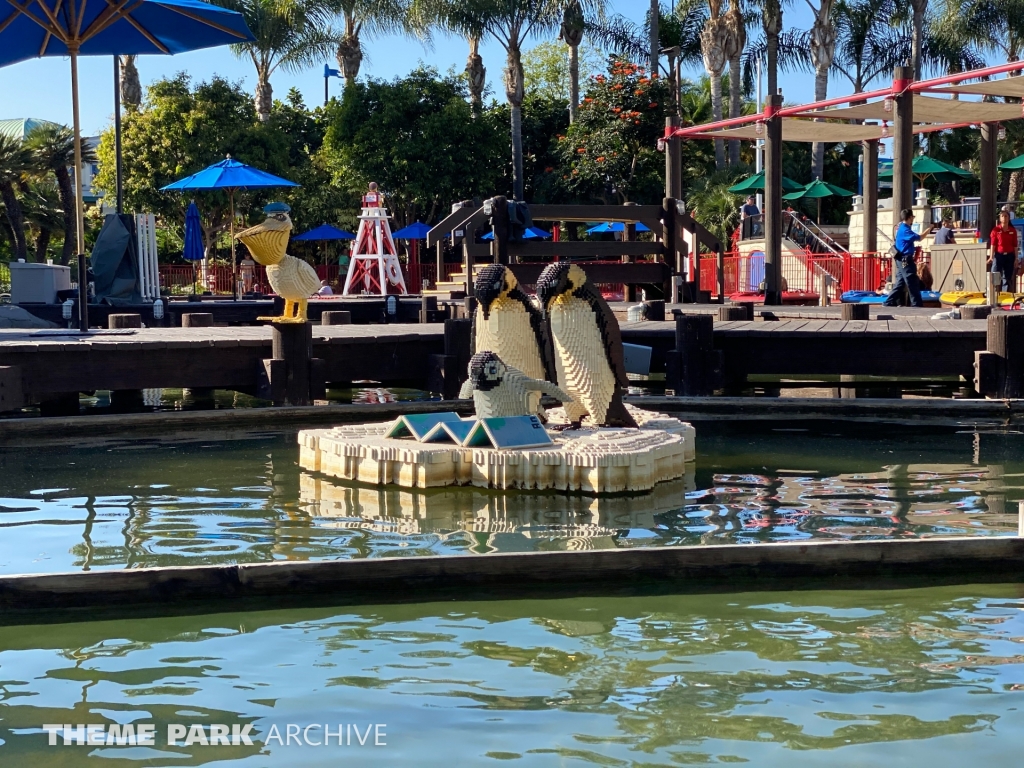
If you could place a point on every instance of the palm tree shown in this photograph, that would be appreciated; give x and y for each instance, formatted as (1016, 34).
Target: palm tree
(510, 23)
(822, 44)
(15, 161)
(654, 25)
(288, 33)
(714, 44)
(868, 44)
(995, 26)
(131, 87)
(737, 41)
(43, 213)
(476, 74)
(52, 148)
(368, 17)
(574, 23)
(919, 7)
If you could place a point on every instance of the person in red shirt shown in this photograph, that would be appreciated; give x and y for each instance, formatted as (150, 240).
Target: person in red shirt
(1002, 251)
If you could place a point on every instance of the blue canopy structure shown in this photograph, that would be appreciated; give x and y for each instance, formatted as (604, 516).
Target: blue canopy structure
(417, 231)
(76, 28)
(616, 226)
(325, 232)
(532, 233)
(230, 176)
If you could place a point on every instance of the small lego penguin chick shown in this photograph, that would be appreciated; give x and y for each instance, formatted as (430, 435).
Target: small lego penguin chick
(503, 391)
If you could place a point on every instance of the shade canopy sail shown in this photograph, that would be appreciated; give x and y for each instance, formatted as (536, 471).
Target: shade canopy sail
(615, 226)
(416, 231)
(193, 250)
(1016, 164)
(325, 232)
(930, 109)
(755, 183)
(799, 129)
(1007, 86)
(928, 166)
(228, 174)
(818, 189)
(99, 27)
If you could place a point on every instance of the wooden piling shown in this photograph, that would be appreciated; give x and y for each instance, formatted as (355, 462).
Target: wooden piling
(732, 312)
(448, 371)
(855, 312)
(197, 320)
(999, 370)
(428, 306)
(124, 321)
(288, 377)
(655, 310)
(336, 317)
(696, 355)
(975, 311)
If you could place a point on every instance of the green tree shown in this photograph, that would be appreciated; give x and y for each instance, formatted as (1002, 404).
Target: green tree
(544, 119)
(41, 201)
(180, 130)
(15, 161)
(53, 147)
(291, 34)
(416, 137)
(868, 45)
(546, 68)
(610, 152)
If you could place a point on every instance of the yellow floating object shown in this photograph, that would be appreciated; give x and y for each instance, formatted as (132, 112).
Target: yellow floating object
(960, 298)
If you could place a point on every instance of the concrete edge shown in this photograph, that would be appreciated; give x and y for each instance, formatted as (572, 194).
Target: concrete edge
(126, 425)
(730, 567)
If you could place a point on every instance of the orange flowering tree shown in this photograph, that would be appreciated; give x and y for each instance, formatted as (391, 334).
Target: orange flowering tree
(610, 152)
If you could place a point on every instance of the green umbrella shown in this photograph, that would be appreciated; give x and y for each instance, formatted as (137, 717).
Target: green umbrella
(1013, 165)
(755, 183)
(928, 166)
(819, 190)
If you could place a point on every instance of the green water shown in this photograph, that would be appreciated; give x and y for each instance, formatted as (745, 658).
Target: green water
(243, 498)
(931, 677)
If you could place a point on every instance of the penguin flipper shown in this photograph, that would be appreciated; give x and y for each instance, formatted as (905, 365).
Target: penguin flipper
(617, 415)
(466, 392)
(548, 389)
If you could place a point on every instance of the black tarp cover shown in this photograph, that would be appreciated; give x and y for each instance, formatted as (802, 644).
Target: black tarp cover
(114, 264)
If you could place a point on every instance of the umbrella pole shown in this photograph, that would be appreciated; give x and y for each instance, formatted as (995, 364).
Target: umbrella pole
(117, 136)
(819, 211)
(83, 288)
(234, 280)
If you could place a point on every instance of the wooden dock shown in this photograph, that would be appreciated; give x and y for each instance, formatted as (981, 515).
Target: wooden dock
(37, 366)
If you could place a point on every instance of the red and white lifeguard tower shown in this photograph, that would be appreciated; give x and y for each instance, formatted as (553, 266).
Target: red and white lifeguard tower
(373, 264)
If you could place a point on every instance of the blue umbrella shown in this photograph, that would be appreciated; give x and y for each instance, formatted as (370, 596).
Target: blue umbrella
(417, 231)
(531, 233)
(616, 226)
(193, 250)
(325, 232)
(100, 27)
(229, 175)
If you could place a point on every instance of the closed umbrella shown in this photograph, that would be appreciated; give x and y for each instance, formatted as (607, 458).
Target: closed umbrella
(229, 175)
(818, 190)
(76, 28)
(193, 250)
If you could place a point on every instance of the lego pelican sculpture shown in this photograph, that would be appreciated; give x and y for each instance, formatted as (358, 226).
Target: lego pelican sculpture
(292, 279)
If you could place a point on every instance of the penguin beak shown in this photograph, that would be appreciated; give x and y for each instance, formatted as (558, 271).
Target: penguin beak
(486, 294)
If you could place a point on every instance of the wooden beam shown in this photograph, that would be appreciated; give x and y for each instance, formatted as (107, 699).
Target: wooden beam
(902, 142)
(641, 273)
(499, 228)
(460, 212)
(565, 249)
(773, 202)
(622, 213)
(673, 160)
(869, 151)
(987, 203)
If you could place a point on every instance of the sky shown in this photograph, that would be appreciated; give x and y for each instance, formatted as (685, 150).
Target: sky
(40, 88)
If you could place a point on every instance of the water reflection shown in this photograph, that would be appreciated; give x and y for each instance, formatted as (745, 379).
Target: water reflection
(231, 498)
(912, 677)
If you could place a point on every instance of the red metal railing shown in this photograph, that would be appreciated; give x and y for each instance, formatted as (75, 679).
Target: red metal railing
(181, 279)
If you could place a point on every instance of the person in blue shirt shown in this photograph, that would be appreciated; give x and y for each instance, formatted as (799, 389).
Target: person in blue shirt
(905, 280)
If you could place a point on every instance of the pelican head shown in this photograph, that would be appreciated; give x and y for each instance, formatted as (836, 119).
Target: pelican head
(268, 242)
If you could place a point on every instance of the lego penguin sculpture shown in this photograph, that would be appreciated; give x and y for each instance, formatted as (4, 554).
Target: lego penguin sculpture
(292, 279)
(588, 346)
(501, 390)
(507, 323)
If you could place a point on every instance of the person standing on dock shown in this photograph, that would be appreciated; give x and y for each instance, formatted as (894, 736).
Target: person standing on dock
(904, 268)
(1002, 251)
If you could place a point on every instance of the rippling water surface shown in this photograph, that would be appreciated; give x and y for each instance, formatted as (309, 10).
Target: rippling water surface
(931, 677)
(243, 498)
